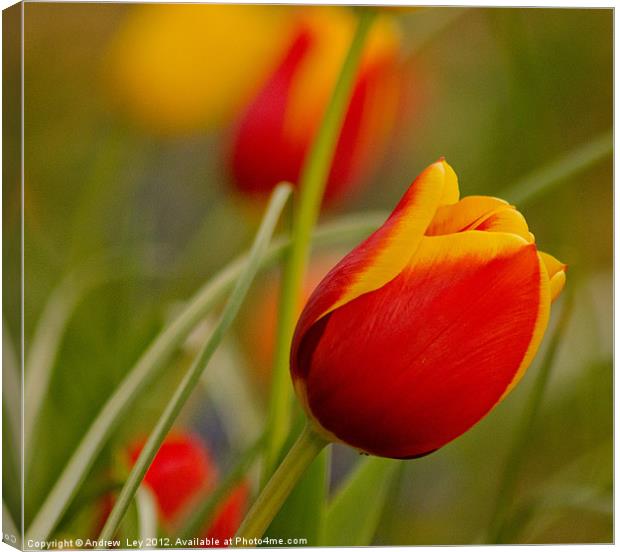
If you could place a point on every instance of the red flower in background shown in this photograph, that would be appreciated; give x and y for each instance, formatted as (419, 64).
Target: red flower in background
(274, 134)
(419, 331)
(181, 473)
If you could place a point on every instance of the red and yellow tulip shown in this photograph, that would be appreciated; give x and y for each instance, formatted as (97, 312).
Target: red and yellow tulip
(180, 474)
(278, 126)
(423, 328)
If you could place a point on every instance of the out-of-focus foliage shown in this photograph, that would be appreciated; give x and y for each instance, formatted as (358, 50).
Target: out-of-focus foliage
(499, 92)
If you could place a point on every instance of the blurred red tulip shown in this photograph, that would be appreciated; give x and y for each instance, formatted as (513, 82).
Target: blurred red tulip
(419, 331)
(180, 474)
(275, 132)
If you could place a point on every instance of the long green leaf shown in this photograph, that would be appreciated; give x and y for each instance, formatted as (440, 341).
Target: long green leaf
(152, 361)
(353, 514)
(278, 199)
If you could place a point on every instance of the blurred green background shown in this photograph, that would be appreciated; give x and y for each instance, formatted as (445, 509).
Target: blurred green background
(139, 219)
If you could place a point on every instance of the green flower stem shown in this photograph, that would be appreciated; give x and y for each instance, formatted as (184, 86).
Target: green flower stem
(311, 185)
(345, 230)
(192, 377)
(510, 474)
(542, 180)
(268, 504)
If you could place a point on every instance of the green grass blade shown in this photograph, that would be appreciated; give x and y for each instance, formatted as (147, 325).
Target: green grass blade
(353, 515)
(149, 365)
(544, 179)
(278, 199)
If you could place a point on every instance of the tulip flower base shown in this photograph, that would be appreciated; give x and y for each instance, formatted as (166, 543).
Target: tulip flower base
(248, 302)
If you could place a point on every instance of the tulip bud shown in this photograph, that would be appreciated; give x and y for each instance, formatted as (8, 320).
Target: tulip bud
(423, 328)
(278, 127)
(180, 474)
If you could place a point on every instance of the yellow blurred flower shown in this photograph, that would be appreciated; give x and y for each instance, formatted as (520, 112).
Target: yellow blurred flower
(177, 69)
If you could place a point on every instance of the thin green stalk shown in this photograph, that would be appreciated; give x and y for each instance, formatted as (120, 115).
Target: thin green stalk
(268, 504)
(204, 513)
(152, 361)
(510, 475)
(311, 185)
(569, 164)
(192, 377)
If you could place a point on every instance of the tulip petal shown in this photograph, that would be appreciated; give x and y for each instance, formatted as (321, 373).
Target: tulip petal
(479, 213)
(557, 273)
(450, 219)
(388, 250)
(403, 370)
(505, 219)
(451, 191)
